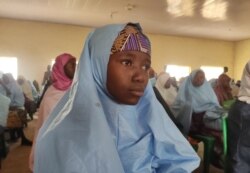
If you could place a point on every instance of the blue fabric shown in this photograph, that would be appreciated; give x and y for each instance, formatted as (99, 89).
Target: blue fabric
(4, 109)
(89, 132)
(201, 98)
(2, 90)
(153, 81)
(194, 99)
(16, 94)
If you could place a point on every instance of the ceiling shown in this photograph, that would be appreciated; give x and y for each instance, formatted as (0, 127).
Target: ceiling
(215, 19)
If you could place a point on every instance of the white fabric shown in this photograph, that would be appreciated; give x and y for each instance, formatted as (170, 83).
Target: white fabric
(244, 92)
(168, 94)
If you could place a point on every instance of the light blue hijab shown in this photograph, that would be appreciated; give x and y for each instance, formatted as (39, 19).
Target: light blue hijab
(16, 94)
(4, 109)
(88, 132)
(194, 99)
(201, 98)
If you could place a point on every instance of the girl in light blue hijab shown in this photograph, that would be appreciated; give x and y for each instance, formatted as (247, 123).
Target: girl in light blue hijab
(196, 96)
(197, 108)
(110, 121)
(15, 92)
(4, 109)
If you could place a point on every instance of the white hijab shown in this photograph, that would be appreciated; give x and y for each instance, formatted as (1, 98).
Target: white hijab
(244, 92)
(168, 94)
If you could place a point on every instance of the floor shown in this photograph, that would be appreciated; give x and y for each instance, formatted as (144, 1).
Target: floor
(17, 159)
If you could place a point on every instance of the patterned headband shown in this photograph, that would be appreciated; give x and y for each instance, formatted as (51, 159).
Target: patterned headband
(131, 39)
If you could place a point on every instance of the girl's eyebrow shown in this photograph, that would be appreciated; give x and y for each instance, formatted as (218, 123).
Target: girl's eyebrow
(129, 54)
(149, 60)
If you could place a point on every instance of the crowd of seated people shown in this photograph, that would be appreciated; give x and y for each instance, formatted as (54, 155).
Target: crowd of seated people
(17, 114)
(30, 94)
(196, 106)
(199, 105)
(19, 99)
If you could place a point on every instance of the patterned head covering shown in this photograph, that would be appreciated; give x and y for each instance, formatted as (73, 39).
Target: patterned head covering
(59, 79)
(131, 38)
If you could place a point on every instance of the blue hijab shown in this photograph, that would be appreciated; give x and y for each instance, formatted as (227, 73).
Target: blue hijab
(89, 132)
(16, 94)
(191, 99)
(4, 109)
(201, 98)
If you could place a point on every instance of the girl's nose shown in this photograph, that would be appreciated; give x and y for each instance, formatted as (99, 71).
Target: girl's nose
(139, 75)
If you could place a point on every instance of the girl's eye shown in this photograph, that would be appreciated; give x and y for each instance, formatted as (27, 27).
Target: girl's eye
(146, 67)
(127, 62)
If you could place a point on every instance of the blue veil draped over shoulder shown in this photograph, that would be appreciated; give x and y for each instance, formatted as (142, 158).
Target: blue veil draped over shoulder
(88, 132)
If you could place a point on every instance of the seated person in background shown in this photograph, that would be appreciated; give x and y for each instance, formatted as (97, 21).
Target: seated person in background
(239, 128)
(25, 86)
(3, 90)
(62, 74)
(4, 110)
(222, 89)
(181, 80)
(167, 87)
(35, 93)
(212, 82)
(46, 76)
(45, 84)
(29, 104)
(17, 105)
(238, 83)
(197, 108)
(174, 83)
(36, 85)
(110, 121)
(235, 88)
(4, 104)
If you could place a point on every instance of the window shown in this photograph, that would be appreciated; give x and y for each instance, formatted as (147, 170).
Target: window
(212, 72)
(178, 71)
(9, 65)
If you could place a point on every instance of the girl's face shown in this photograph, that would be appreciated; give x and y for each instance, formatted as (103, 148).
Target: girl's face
(69, 68)
(168, 83)
(127, 76)
(198, 79)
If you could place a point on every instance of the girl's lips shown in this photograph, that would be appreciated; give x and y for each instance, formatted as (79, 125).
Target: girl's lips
(137, 93)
